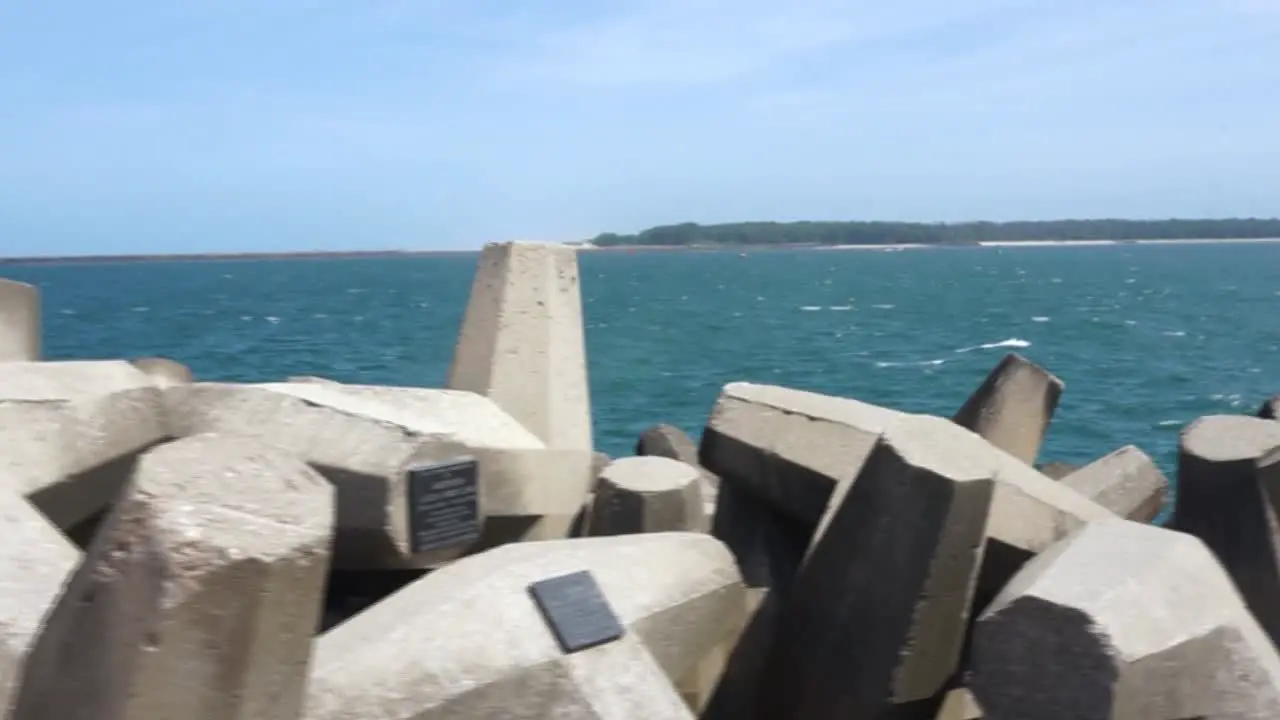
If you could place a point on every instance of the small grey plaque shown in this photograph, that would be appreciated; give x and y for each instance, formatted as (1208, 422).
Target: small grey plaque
(576, 611)
(443, 505)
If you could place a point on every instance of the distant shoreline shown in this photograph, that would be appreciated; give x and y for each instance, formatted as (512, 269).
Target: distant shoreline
(630, 249)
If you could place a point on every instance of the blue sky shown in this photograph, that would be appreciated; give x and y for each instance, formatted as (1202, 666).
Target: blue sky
(199, 125)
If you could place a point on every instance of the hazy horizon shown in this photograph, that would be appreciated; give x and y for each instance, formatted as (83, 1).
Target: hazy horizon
(294, 125)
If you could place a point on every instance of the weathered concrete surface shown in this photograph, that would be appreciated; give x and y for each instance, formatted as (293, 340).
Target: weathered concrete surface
(1126, 482)
(768, 547)
(364, 439)
(489, 650)
(35, 562)
(19, 321)
(163, 371)
(1013, 407)
(522, 343)
(1123, 620)
(1270, 409)
(313, 379)
(874, 622)
(199, 596)
(1227, 494)
(789, 447)
(647, 494)
(72, 431)
(960, 705)
(1057, 469)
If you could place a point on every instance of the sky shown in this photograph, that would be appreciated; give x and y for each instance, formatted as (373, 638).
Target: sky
(148, 126)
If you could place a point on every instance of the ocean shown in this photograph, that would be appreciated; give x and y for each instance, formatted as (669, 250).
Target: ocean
(1146, 337)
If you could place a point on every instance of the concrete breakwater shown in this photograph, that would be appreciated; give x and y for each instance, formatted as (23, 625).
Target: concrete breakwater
(308, 549)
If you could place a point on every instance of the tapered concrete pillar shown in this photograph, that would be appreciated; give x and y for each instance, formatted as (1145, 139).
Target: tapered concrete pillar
(522, 342)
(199, 596)
(35, 562)
(1123, 620)
(19, 321)
(1013, 406)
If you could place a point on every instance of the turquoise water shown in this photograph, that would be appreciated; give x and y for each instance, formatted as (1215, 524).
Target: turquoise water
(1146, 337)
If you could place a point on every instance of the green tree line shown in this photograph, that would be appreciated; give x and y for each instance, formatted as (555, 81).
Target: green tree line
(885, 233)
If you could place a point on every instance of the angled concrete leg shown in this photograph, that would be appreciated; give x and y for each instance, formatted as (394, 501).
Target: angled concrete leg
(19, 321)
(1013, 406)
(35, 563)
(1126, 482)
(199, 597)
(469, 640)
(1123, 620)
(875, 621)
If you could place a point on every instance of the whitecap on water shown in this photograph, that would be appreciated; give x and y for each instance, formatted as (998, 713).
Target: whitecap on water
(839, 307)
(1168, 423)
(1009, 343)
(1174, 333)
(810, 308)
(272, 319)
(922, 363)
(140, 308)
(884, 306)
(1040, 318)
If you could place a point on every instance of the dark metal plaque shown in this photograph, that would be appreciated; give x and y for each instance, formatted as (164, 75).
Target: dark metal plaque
(443, 505)
(576, 611)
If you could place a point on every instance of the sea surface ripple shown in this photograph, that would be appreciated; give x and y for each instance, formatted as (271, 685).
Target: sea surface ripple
(1147, 338)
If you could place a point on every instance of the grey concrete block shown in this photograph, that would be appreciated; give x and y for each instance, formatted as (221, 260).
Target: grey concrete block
(1126, 482)
(1270, 409)
(1123, 620)
(364, 440)
(19, 321)
(668, 441)
(647, 494)
(198, 598)
(875, 620)
(1013, 407)
(163, 371)
(72, 431)
(522, 343)
(1227, 493)
(672, 442)
(35, 562)
(468, 641)
(789, 447)
(313, 379)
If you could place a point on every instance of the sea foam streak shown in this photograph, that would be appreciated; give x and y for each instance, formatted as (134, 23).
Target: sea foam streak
(1010, 343)
(922, 363)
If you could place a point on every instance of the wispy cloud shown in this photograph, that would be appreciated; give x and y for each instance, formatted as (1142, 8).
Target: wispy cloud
(678, 43)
